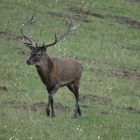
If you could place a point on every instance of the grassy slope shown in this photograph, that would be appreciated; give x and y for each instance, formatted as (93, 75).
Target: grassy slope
(99, 44)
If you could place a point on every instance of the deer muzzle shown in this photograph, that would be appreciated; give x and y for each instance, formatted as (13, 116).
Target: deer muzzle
(28, 62)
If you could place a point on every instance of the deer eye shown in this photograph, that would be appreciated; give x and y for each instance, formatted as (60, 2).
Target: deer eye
(38, 54)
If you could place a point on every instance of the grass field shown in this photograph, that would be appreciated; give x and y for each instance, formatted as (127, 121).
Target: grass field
(107, 43)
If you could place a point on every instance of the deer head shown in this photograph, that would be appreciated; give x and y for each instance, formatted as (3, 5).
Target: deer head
(38, 52)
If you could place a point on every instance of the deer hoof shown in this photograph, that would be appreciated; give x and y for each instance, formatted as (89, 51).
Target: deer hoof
(79, 112)
(48, 112)
(53, 115)
(75, 116)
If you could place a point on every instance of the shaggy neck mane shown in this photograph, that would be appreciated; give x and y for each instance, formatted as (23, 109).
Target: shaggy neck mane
(44, 68)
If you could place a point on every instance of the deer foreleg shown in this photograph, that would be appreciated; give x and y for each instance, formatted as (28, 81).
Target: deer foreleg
(48, 108)
(51, 101)
(52, 107)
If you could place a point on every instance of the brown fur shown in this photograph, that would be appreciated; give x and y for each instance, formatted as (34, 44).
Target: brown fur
(55, 73)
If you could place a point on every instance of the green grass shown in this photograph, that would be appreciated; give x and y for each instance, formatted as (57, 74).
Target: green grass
(100, 45)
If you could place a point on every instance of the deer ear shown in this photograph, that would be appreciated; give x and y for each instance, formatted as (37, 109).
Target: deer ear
(29, 46)
(43, 47)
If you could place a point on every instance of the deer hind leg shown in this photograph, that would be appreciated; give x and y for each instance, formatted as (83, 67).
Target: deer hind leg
(74, 88)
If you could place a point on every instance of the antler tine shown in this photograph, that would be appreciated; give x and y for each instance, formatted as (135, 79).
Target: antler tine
(32, 17)
(69, 29)
(32, 44)
(30, 20)
(23, 36)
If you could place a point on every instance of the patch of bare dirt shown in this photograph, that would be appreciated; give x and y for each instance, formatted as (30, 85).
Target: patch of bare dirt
(122, 72)
(103, 113)
(131, 109)
(127, 21)
(17, 104)
(10, 36)
(95, 98)
(40, 106)
(3, 88)
(80, 10)
(76, 17)
(80, 18)
(127, 109)
(56, 14)
(136, 48)
(118, 19)
(125, 73)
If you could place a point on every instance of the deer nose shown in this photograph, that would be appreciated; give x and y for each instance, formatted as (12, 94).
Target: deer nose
(28, 62)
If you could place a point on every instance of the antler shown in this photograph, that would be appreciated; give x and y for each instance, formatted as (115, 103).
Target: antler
(30, 44)
(69, 29)
(30, 19)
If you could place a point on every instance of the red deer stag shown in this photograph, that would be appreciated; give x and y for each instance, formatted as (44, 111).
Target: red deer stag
(55, 72)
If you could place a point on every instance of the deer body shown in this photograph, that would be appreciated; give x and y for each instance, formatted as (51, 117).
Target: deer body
(58, 72)
(55, 72)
